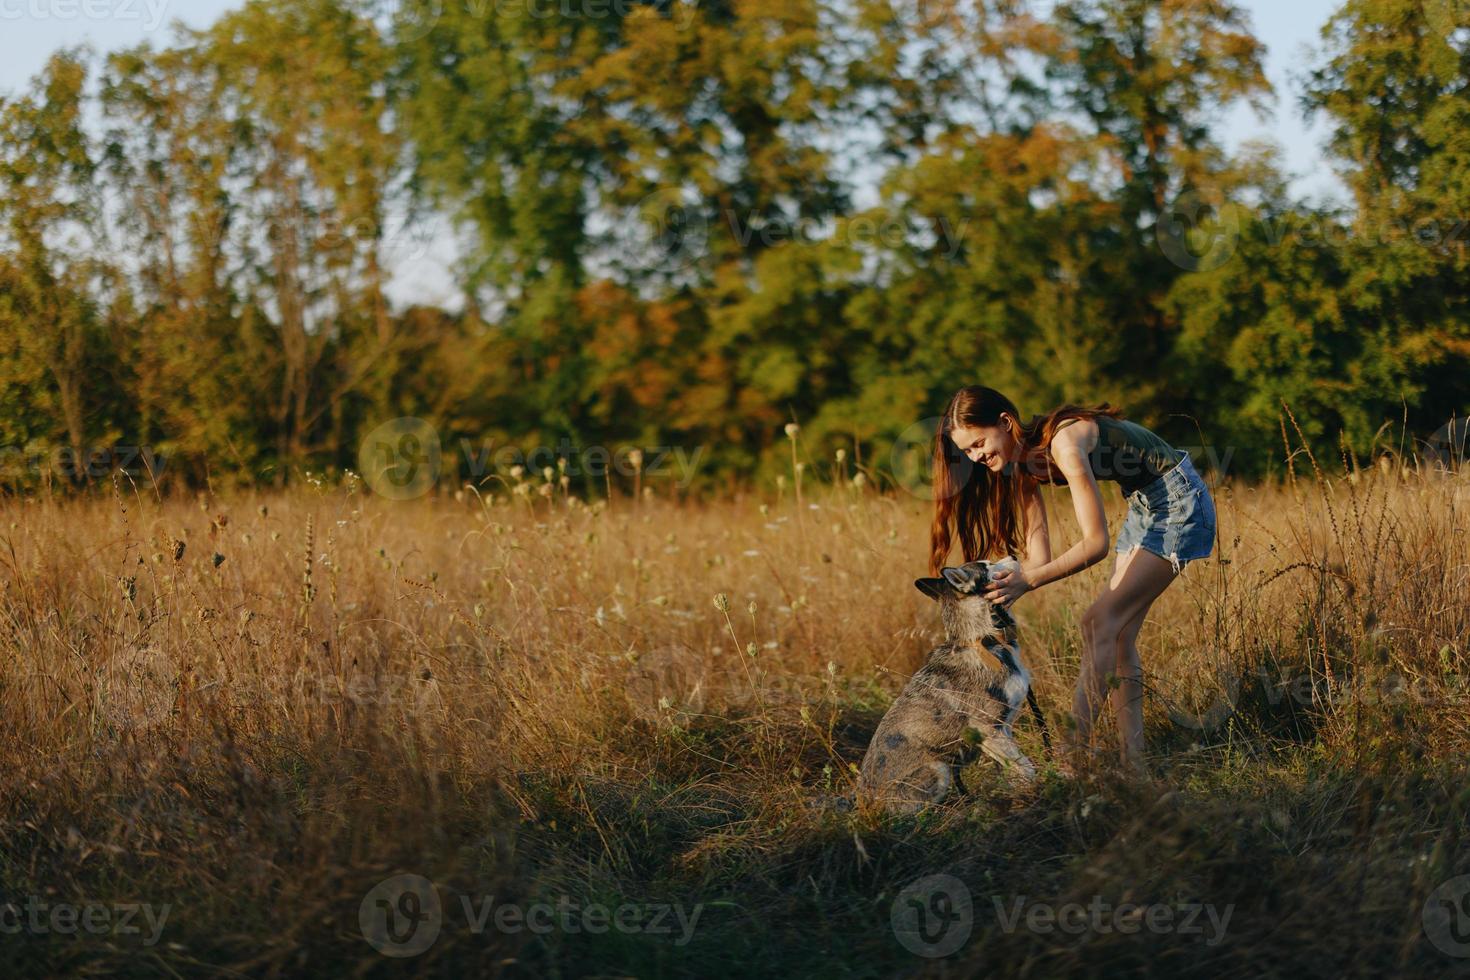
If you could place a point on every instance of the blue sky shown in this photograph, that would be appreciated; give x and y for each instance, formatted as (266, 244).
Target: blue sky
(31, 29)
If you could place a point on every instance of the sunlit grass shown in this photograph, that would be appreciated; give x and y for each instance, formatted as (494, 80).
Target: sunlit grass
(255, 708)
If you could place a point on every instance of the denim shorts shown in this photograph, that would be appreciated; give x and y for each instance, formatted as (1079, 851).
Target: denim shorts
(1173, 517)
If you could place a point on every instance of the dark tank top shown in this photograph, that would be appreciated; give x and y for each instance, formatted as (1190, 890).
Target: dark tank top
(1128, 454)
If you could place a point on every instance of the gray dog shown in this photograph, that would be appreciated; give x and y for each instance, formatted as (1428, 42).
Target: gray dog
(973, 681)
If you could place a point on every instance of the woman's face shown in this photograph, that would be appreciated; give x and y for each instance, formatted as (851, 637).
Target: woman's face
(990, 446)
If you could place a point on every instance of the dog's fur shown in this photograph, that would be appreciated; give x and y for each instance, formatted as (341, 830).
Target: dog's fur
(975, 680)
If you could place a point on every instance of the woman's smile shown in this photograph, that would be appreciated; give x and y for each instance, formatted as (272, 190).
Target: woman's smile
(984, 446)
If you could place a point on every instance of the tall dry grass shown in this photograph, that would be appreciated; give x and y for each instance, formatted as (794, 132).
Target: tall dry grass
(255, 708)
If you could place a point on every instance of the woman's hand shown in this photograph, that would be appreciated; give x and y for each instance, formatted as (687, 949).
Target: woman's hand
(1007, 586)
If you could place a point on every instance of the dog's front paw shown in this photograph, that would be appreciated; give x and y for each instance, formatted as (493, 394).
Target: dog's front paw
(1010, 758)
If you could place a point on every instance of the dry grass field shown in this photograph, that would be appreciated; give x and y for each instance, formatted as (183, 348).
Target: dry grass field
(237, 716)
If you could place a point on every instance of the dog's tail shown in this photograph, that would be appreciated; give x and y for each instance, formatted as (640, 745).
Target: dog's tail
(1040, 719)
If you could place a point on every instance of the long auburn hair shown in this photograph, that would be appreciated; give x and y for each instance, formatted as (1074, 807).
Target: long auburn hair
(984, 508)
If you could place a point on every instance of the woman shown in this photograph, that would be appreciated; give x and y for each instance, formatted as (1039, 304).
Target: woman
(988, 467)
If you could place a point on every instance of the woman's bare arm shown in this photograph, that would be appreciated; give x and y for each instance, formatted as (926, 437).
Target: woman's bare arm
(1069, 449)
(1038, 535)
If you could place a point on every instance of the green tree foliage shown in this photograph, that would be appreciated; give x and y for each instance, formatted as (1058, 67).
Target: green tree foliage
(1396, 88)
(56, 280)
(690, 223)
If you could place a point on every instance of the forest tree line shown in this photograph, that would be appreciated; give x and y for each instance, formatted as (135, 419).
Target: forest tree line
(688, 224)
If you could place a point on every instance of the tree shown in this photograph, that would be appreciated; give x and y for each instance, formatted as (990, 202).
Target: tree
(55, 283)
(1395, 84)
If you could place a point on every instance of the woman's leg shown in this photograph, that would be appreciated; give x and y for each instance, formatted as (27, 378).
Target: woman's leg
(1139, 579)
(1127, 697)
(1090, 684)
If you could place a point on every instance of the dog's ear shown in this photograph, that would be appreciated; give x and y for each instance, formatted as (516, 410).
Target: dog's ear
(934, 588)
(962, 579)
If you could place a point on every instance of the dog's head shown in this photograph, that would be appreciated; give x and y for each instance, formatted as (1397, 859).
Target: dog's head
(960, 594)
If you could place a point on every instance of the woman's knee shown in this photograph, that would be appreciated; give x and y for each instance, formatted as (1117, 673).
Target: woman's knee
(1128, 663)
(1127, 647)
(1102, 627)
